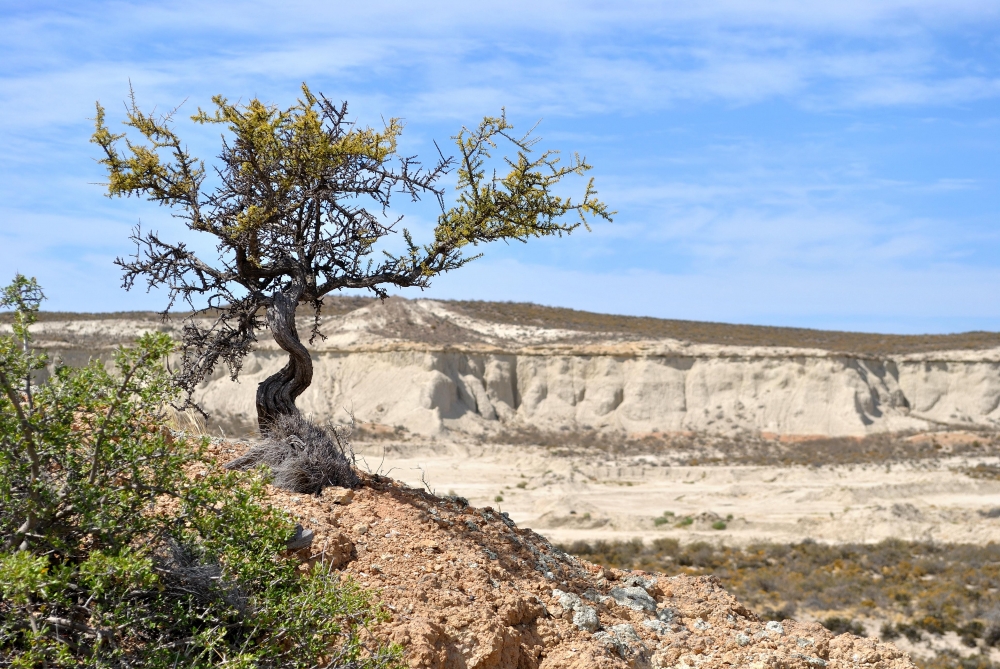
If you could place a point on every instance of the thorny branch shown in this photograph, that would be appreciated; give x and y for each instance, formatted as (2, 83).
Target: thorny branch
(300, 206)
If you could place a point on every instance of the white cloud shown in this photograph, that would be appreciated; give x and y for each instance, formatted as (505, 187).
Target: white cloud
(561, 58)
(817, 220)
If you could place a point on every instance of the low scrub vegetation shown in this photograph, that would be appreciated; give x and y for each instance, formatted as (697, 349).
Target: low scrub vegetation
(524, 313)
(123, 545)
(918, 590)
(682, 449)
(984, 470)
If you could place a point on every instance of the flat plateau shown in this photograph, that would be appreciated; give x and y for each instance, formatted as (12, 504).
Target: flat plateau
(600, 496)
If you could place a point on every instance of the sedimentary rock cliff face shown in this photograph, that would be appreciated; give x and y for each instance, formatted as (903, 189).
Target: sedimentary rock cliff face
(427, 367)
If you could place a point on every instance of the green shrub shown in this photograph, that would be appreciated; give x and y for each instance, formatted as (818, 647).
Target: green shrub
(888, 632)
(112, 556)
(911, 632)
(839, 625)
(719, 525)
(667, 517)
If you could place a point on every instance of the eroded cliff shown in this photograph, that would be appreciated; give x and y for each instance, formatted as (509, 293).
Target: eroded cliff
(429, 367)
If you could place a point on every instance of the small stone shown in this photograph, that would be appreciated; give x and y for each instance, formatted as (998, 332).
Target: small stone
(585, 618)
(775, 626)
(635, 580)
(742, 639)
(634, 598)
(341, 496)
(701, 625)
(657, 626)
(338, 550)
(567, 600)
(625, 633)
(361, 528)
(302, 538)
(666, 615)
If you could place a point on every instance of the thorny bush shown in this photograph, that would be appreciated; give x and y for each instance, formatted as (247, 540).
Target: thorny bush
(111, 555)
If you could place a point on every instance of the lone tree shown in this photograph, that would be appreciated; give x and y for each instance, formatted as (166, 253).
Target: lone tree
(297, 208)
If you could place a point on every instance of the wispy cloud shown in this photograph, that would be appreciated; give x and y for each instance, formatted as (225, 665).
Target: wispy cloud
(749, 146)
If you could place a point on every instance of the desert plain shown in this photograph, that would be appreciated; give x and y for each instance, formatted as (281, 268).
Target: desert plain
(589, 428)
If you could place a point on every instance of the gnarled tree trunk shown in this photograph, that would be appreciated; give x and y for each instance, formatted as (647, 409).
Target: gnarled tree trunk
(276, 394)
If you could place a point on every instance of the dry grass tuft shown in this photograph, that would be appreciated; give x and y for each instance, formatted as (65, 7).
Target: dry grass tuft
(189, 422)
(303, 456)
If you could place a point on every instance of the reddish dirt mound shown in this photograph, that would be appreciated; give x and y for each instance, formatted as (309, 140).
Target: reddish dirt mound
(467, 588)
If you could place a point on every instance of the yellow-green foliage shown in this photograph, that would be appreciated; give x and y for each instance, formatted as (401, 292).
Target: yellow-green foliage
(290, 155)
(518, 205)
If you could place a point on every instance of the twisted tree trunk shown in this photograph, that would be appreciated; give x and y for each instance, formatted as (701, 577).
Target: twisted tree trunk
(276, 394)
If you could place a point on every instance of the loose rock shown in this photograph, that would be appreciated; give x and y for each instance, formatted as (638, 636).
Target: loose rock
(485, 599)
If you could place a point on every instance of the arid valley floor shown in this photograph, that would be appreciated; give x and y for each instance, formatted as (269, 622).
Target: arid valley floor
(716, 447)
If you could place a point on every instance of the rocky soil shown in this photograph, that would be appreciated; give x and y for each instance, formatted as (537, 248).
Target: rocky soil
(468, 588)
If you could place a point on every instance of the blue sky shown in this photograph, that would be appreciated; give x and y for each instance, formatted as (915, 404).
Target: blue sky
(830, 165)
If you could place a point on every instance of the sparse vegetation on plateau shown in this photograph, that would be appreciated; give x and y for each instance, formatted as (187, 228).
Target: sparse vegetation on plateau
(755, 450)
(524, 313)
(860, 343)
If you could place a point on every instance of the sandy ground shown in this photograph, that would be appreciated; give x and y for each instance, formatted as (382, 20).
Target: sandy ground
(568, 498)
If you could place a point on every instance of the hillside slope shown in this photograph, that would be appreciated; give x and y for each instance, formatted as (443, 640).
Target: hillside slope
(467, 588)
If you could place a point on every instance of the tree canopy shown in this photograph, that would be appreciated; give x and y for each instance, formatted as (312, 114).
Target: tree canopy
(298, 206)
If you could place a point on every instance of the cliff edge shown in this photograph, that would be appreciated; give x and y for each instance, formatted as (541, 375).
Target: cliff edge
(432, 367)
